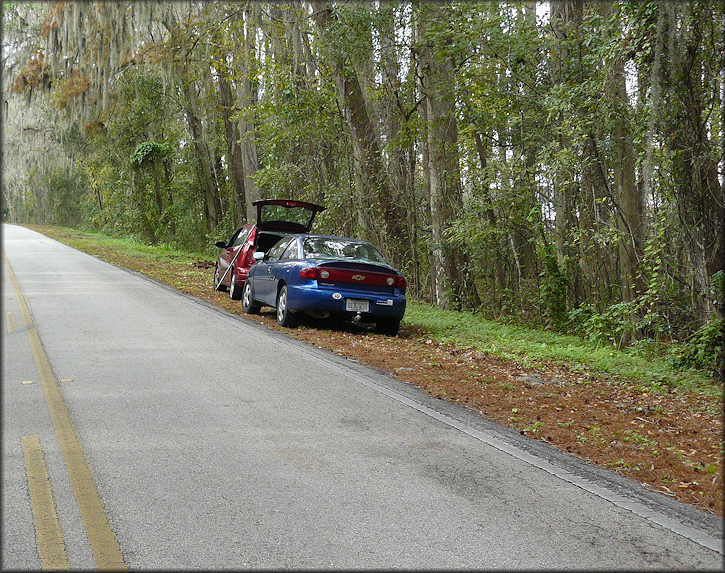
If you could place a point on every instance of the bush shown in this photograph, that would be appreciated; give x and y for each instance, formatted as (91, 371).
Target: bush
(612, 327)
(553, 292)
(703, 347)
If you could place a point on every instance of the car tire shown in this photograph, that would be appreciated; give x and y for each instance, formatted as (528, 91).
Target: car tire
(235, 293)
(387, 326)
(218, 280)
(249, 305)
(284, 316)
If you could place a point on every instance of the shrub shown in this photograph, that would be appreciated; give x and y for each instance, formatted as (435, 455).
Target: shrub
(703, 347)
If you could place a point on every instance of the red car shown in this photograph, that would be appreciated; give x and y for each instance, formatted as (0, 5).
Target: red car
(276, 218)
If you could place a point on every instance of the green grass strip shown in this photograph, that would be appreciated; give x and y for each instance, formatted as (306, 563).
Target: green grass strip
(528, 347)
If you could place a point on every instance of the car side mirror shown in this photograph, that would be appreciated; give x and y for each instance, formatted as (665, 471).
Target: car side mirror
(221, 244)
(258, 255)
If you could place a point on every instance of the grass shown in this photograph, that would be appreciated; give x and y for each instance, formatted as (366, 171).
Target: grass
(83, 240)
(528, 346)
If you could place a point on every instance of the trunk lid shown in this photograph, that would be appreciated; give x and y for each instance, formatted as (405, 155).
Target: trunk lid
(286, 215)
(362, 276)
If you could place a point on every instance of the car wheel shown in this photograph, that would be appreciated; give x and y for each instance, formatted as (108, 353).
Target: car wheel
(387, 326)
(218, 279)
(249, 306)
(235, 293)
(284, 316)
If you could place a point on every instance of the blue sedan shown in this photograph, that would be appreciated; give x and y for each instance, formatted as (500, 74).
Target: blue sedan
(325, 276)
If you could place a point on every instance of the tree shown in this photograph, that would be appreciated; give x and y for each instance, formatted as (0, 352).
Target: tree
(372, 183)
(247, 98)
(450, 273)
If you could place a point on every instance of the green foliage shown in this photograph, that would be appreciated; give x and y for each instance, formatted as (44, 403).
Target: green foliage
(611, 327)
(703, 348)
(149, 152)
(554, 291)
(664, 308)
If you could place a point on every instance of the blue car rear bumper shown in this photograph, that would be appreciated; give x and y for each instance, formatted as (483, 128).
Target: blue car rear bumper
(334, 300)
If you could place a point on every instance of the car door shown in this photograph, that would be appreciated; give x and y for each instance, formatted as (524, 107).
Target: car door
(230, 252)
(265, 282)
(287, 267)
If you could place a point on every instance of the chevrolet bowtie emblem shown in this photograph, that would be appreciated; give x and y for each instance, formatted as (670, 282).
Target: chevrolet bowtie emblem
(358, 277)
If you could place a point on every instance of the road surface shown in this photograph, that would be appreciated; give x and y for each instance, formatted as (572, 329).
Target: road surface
(145, 429)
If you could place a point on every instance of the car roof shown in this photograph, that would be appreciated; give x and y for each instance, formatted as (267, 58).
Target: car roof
(335, 237)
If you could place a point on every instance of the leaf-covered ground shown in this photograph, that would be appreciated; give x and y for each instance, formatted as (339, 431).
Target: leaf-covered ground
(670, 442)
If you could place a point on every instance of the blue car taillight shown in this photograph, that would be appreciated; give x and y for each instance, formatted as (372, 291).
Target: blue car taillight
(309, 273)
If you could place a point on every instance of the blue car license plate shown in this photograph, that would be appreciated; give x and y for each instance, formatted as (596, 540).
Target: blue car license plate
(355, 305)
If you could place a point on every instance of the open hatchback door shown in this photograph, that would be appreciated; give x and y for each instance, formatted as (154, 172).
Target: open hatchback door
(286, 215)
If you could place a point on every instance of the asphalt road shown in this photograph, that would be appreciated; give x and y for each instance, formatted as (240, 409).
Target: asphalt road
(175, 435)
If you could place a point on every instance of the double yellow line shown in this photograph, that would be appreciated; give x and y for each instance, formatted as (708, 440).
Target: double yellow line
(104, 546)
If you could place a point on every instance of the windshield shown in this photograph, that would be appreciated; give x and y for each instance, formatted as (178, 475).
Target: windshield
(335, 248)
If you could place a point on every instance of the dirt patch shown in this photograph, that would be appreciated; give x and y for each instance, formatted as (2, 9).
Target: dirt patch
(670, 442)
(202, 265)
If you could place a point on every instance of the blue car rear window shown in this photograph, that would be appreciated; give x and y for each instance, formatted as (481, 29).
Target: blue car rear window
(329, 248)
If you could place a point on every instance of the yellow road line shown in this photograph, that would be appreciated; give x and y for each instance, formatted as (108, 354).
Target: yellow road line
(12, 325)
(104, 546)
(47, 527)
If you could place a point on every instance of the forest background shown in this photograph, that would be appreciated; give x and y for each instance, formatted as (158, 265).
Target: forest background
(555, 164)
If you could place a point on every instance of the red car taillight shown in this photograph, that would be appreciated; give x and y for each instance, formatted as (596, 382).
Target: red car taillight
(309, 273)
(400, 282)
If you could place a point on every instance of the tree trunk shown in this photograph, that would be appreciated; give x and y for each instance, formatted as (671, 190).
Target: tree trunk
(246, 94)
(489, 212)
(212, 205)
(400, 204)
(630, 204)
(564, 14)
(234, 153)
(373, 185)
(698, 190)
(721, 301)
(451, 287)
